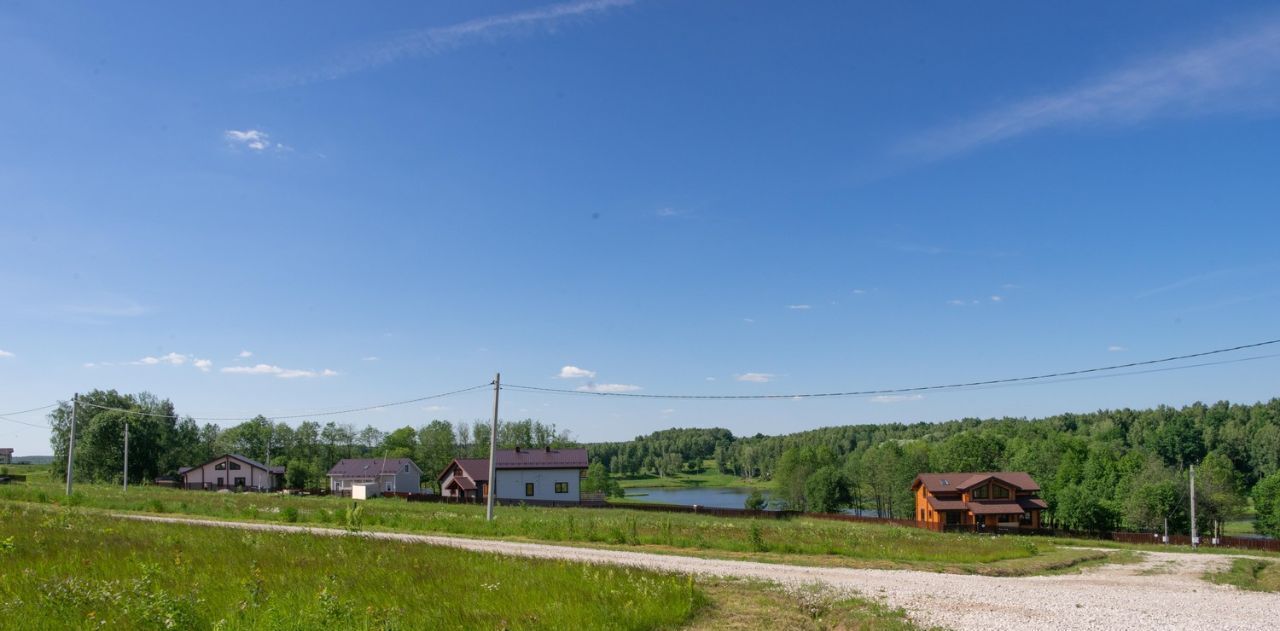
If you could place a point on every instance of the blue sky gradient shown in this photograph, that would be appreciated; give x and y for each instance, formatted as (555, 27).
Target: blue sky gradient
(716, 198)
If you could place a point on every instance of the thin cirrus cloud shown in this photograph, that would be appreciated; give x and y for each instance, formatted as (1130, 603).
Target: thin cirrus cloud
(895, 398)
(434, 41)
(1234, 72)
(173, 359)
(245, 354)
(4, 353)
(608, 388)
(799, 307)
(1115, 348)
(573, 372)
(756, 377)
(255, 140)
(282, 373)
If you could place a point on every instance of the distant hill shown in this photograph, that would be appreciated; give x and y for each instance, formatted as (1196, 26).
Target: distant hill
(34, 459)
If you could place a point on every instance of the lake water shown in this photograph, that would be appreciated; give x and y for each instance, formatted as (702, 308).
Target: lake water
(716, 497)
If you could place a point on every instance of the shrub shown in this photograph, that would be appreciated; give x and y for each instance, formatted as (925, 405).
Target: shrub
(289, 514)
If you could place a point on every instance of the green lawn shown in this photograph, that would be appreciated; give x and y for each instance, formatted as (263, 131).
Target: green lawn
(709, 477)
(65, 568)
(804, 541)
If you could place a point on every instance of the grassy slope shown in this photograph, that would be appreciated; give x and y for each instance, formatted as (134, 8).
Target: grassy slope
(1252, 574)
(65, 568)
(801, 541)
(709, 478)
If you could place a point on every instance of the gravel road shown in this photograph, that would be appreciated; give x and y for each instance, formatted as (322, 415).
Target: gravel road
(1164, 591)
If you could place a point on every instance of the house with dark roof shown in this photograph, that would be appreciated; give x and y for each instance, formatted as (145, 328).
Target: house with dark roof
(386, 474)
(984, 500)
(539, 475)
(234, 472)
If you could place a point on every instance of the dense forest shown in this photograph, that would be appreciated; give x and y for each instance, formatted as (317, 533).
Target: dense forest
(160, 441)
(1099, 471)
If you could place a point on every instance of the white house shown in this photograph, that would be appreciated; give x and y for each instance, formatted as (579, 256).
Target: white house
(390, 474)
(542, 475)
(232, 471)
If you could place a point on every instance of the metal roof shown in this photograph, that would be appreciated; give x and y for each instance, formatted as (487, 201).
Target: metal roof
(358, 467)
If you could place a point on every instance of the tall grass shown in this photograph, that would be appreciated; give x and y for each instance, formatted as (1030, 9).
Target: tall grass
(861, 541)
(67, 569)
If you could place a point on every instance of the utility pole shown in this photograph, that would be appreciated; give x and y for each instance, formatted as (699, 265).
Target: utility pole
(1194, 539)
(71, 442)
(492, 487)
(126, 455)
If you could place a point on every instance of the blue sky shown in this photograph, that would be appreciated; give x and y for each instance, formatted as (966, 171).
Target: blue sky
(302, 206)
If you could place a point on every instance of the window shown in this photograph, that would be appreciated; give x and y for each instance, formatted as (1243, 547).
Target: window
(221, 466)
(999, 492)
(406, 468)
(980, 493)
(235, 466)
(239, 481)
(562, 487)
(528, 489)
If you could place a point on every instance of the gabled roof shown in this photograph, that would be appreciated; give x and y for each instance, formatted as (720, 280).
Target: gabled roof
(359, 467)
(957, 482)
(995, 508)
(249, 461)
(6, 451)
(547, 458)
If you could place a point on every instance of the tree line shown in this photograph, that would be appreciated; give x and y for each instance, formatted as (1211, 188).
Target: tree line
(1105, 470)
(161, 441)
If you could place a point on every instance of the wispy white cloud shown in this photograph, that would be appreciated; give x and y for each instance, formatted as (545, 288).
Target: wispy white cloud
(1116, 349)
(755, 377)
(430, 42)
(799, 307)
(608, 387)
(961, 303)
(203, 364)
(173, 359)
(711, 378)
(997, 299)
(573, 372)
(245, 354)
(749, 320)
(283, 373)
(4, 353)
(1219, 274)
(1236, 71)
(371, 358)
(667, 211)
(253, 140)
(895, 398)
(435, 408)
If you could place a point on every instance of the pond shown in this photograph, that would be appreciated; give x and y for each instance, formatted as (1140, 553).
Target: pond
(715, 497)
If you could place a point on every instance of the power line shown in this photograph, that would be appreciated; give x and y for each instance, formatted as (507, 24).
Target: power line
(43, 407)
(14, 420)
(295, 416)
(953, 386)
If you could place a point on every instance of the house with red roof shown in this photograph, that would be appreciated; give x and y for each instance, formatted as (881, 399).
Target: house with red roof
(538, 475)
(399, 475)
(982, 500)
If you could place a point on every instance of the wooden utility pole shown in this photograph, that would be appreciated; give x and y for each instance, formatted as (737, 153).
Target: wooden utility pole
(126, 455)
(1194, 539)
(71, 442)
(492, 487)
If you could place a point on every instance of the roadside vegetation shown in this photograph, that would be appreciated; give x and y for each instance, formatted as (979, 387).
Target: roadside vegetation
(1251, 574)
(803, 541)
(68, 569)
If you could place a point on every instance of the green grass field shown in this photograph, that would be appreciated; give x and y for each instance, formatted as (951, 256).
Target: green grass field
(1251, 574)
(709, 478)
(802, 541)
(68, 569)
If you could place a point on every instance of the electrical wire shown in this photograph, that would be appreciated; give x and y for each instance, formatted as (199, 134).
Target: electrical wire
(953, 386)
(296, 416)
(43, 407)
(14, 420)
